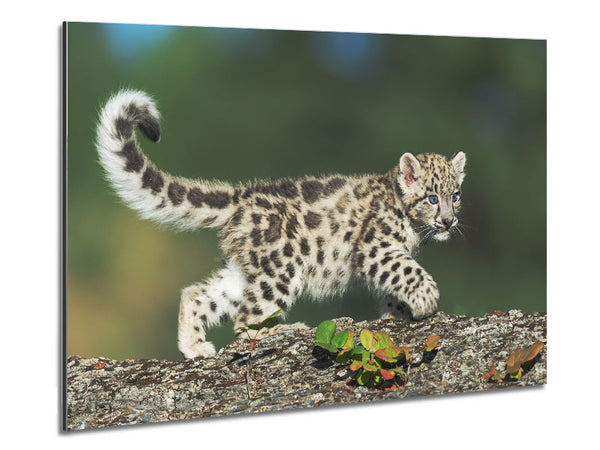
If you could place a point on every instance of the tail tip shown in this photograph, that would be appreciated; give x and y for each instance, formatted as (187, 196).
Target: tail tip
(140, 108)
(150, 126)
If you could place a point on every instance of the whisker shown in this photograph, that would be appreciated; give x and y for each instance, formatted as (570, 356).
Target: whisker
(428, 235)
(460, 232)
(464, 225)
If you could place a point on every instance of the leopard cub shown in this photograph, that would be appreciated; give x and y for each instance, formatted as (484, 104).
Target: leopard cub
(286, 237)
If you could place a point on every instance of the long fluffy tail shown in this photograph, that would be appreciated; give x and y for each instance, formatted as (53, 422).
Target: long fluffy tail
(156, 195)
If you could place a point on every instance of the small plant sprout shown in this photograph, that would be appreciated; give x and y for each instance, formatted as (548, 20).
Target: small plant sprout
(375, 360)
(514, 369)
(269, 322)
(431, 343)
(491, 375)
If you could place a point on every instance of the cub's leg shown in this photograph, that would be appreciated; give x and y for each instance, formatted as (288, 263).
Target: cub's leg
(264, 297)
(207, 304)
(403, 283)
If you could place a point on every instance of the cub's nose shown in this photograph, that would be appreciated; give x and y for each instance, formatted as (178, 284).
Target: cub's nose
(447, 222)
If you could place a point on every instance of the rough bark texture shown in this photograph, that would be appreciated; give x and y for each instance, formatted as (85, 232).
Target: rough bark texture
(289, 372)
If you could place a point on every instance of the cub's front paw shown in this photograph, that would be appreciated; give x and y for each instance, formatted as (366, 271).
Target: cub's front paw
(423, 298)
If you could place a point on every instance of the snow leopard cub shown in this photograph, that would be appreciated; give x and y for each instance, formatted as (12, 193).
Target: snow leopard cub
(285, 237)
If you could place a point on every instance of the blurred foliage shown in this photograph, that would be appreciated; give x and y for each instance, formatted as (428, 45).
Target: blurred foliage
(244, 104)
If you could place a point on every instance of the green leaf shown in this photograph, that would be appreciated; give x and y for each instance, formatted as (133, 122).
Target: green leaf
(366, 338)
(269, 322)
(325, 331)
(360, 379)
(432, 341)
(365, 355)
(398, 370)
(343, 358)
(357, 351)
(276, 313)
(340, 339)
(365, 378)
(370, 366)
(327, 346)
(348, 346)
(377, 378)
(383, 340)
(517, 375)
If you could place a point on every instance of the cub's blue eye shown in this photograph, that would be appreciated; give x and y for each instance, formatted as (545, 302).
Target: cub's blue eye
(455, 197)
(433, 199)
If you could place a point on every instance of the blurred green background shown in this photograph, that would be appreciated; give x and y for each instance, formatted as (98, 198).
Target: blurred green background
(244, 104)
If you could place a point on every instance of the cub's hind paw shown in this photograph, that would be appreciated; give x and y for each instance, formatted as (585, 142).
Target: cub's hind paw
(266, 332)
(198, 350)
(280, 328)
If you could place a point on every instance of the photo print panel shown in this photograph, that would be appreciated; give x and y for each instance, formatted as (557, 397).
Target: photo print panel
(263, 220)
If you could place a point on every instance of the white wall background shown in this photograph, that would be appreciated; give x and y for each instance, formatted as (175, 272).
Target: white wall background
(30, 110)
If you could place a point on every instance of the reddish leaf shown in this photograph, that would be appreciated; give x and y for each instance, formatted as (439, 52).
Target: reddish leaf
(518, 357)
(387, 374)
(432, 341)
(356, 365)
(349, 344)
(490, 375)
(532, 351)
(387, 354)
(406, 352)
(514, 361)
(99, 365)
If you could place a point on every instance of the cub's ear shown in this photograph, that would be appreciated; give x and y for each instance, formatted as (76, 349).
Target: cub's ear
(410, 171)
(458, 161)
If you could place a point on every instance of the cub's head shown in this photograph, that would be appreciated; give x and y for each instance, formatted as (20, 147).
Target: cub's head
(430, 185)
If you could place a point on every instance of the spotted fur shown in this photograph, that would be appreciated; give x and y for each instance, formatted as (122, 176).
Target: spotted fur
(287, 237)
